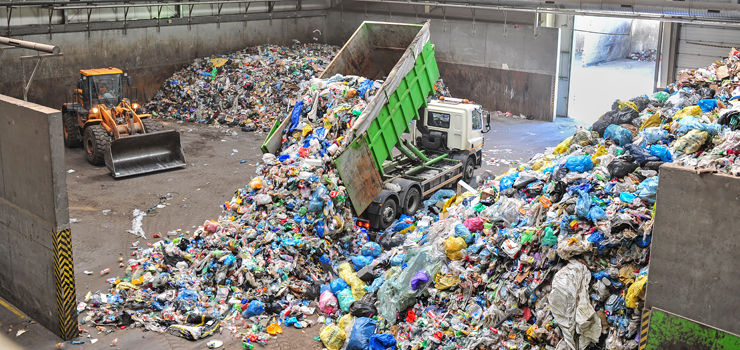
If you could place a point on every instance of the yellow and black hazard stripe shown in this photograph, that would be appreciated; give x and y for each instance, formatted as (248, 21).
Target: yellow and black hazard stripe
(644, 326)
(64, 274)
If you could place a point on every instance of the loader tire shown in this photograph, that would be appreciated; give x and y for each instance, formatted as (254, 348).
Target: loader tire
(150, 125)
(97, 142)
(72, 137)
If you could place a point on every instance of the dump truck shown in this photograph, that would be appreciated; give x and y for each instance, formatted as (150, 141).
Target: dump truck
(437, 142)
(98, 117)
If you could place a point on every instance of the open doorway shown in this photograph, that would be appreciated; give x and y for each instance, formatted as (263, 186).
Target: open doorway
(613, 58)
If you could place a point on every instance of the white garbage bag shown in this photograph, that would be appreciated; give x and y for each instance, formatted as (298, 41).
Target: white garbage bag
(569, 302)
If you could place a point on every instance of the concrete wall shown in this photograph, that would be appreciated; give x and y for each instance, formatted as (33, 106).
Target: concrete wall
(598, 47)
(694, 252)
(33, 211)
(503, 68)
(147, 55)
(644, 35)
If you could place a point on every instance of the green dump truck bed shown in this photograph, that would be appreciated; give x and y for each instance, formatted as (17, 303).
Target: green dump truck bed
(401, 55)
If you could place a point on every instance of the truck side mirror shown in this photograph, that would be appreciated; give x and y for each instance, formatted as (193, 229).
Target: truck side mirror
(128, 80)
(80, 85)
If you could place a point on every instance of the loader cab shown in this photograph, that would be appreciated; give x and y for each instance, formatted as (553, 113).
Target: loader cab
(451, 125)
(101, 87)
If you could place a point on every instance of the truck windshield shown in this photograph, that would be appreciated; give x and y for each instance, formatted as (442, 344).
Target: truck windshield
(439, 120)
(106, 89)
(477, 122)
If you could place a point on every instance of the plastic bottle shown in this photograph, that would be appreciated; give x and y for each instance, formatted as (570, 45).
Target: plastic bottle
(103, 272)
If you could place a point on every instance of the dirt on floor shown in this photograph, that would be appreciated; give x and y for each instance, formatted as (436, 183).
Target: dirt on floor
(219, 162)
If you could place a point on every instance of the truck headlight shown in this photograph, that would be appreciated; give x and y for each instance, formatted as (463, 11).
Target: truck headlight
(95, 110)
(135, 105)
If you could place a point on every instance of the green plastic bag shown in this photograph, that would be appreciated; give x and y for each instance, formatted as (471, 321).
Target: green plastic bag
(549, 238)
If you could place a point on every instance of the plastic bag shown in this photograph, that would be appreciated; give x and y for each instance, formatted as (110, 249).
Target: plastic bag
(563, 146)
(583, 205)
(651, 122)
(383, 341)
(453, 246)
(618, 134)
(195, 332)
(707, 105)
(463, 232)
(442, 282)
(346, 322)
(635, 292)
(474, 224)
(362, 309)
(262, 199)
(390, 240)
(691, 142)
(255, 308)
(337, 285)
(596, 214)
(348, 275)
(508, 181)
(333, 337)
(661, 96)
(361, 332)
(274, 329)
(345, 299)
(524, 179)
(420, 278)
(361, 261)
(688, 111)
(661, 152)
(654, 135)
(328, 302)
(641, 155)
(579, 163)
(621, 166)
(440, 195)
(371, 249)
(549, 238)
(511, 247)
(648, 189)
(256, 183)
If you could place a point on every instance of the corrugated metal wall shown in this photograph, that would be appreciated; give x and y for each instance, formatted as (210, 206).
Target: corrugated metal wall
(698, 46)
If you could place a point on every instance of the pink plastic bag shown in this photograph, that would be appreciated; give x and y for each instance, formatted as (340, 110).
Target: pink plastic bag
(328, 302)
(474, 224)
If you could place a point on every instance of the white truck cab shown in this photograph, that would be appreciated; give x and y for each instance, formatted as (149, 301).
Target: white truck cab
(453, 126)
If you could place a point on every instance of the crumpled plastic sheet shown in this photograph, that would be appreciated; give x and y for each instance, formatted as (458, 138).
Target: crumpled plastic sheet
(571, 309)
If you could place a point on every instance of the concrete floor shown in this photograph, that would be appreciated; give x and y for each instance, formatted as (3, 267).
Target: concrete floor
(593, 89)
(195, 194)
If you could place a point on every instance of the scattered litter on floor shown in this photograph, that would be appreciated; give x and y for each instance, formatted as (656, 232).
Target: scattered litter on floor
(136, 223)
(106, 211)
(70, 171)
(20, 331)
(74, 220)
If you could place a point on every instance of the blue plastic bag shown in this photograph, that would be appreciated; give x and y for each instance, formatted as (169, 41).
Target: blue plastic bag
(382, 341)
(508, 181)
(420, 278)
(578, 164)
(255, 308)
(361, 261)
(596, 214)
(371, 249)
(583, 205)
(648, 189)
(187, 295)
(295, 115)
(376, 284)
(362, 330)
(438, 196)
(464, 233)
(345, 299)
(398, 259)
(338, 285)
(618, 134)
(661, 152)
(626, 197)
(641, 155)
(365, 85)
(707, 105)
(654, 135)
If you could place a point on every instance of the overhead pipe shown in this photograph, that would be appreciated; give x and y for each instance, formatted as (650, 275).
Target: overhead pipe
(30, 45)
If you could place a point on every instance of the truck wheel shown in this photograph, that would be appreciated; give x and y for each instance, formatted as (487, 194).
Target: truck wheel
(468, 170)
(387, 214)
(413, 198)
(149, 125)
(72, 137)
(96, 144)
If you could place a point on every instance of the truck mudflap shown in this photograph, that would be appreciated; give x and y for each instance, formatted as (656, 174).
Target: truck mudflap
(145, 153)
(356, 168)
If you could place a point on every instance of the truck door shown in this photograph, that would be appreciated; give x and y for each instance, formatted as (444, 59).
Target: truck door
(475, 136)
(455, 139)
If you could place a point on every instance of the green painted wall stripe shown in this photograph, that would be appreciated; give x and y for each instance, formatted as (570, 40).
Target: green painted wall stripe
(669, 331)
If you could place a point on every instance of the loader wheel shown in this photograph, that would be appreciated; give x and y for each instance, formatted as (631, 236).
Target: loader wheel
(149, 125)
(72, 137)
(97, 142)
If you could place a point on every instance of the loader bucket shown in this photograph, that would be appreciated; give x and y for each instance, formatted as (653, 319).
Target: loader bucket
(145, 153)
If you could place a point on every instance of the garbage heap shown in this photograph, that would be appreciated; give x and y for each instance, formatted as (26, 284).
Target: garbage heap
(248, 88)
(551, 254)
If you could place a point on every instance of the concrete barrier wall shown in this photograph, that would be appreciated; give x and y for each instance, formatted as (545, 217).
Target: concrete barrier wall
(505, 68)
(36, 268)
(694, 253)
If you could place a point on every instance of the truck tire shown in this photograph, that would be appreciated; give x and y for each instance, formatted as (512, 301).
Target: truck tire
(387, 214)
(72, 137)
(96, 144)
(413, 199)
(468, 169)
(149, 125)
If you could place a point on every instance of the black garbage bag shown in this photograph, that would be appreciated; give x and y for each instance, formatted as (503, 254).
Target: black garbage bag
(730, 118)
(273, 307)
(652, 165)
(364, 307)
(624, 116)
(312, 292)
(641, 155)
(622, 165)
(641, 102)
(706, 93)
(390, 240)
(558, 191)
(509, 192)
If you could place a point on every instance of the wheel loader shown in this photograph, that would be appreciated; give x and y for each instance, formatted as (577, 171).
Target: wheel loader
(107, 125)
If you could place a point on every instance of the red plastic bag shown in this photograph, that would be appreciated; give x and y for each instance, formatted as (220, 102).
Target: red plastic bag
(474, 224)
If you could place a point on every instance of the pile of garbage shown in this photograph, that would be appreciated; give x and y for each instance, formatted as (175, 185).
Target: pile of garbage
(551, 254)
(648, 55)
(248, 88)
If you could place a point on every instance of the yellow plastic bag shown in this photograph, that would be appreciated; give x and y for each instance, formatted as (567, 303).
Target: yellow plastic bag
(453, 246)
(345, 321)
(333, 337)
(256, 183)
(635, 292)
(653, 121)
(347, 273)
(625, 104)
(601, 151)
(219, 61)
(274, 329)
(307, 130)
(563, 146)
(442, 282)
(692, 141)
(688, 111)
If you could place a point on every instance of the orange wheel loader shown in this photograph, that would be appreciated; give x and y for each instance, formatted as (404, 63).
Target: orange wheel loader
(108, 126)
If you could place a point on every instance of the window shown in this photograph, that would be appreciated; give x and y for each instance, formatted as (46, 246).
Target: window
(439, 120)
(106, 89)
(477, 124)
